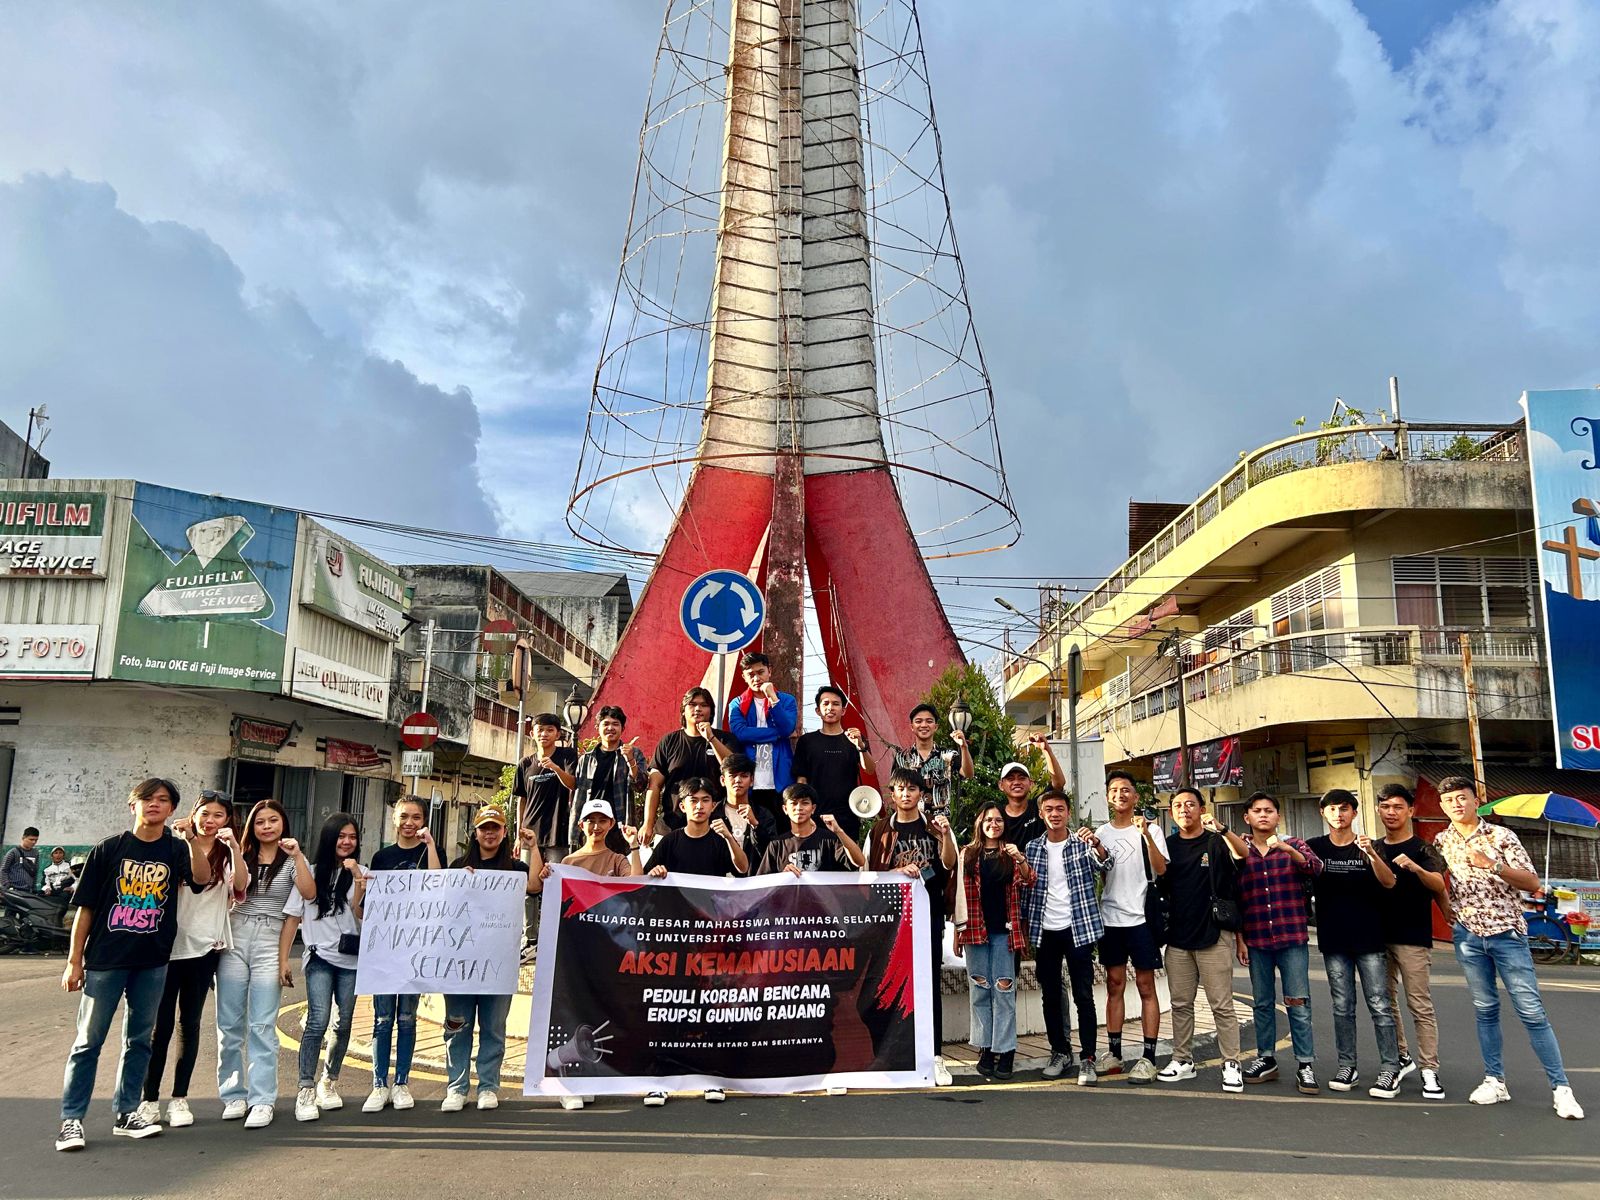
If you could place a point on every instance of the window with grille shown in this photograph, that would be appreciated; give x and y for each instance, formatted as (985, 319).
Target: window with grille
(1462, 592)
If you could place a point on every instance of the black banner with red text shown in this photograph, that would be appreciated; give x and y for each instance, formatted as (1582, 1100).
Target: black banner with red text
(773, 984)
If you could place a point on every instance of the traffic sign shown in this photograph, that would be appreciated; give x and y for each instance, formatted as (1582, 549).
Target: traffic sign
(498, 636)
(419, 731)
(416, 762)
(722, 611)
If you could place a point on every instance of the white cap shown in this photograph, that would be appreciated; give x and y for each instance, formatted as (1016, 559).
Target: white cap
(1014, 766)
(594, 808)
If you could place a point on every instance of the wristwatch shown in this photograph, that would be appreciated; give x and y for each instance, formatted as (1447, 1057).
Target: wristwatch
(1494, 867)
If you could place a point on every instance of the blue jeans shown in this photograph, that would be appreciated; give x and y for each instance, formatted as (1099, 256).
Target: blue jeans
(1507, 953)
(1374, 971)
(991, 990)
(385, 1011)
(326, 983)
(248, 992)
(1293, 965)
(102, 990)
(489, 1012)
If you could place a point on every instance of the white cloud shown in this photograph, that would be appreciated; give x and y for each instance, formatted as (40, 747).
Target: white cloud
(1184, 224)
(155, 366)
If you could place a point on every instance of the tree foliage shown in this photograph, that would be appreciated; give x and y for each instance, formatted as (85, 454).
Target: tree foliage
(992, 737)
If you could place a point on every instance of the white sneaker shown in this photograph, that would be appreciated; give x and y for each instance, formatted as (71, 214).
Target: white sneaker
(305, 1105)
(234, 1110)
(260, 1117)
(401, 1098)
(150, 1110)
(1432, 1089)
(941, 1073)
(1490, 1091)
(328, 1097)
(655, 1099)
(1232, 1076)
(376, 1099)
(1567, 1106)
(572, 1103)
(715, 1095)
(488, 1098)
(1175, 1072)
(453, 1102)
(178, 1114)
(836, 1090)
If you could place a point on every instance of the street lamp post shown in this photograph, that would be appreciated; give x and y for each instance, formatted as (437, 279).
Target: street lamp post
(575, 710)
(960, 717)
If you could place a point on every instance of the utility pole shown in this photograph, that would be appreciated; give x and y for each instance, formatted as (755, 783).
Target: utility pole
(1472, 714)
(1175, 646)
(427, 666)
(1074, 687)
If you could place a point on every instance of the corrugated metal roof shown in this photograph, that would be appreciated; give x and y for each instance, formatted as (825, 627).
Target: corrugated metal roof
(569, 583)
(1517, 781)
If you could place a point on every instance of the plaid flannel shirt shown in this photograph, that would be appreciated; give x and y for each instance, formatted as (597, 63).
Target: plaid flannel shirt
(1082, 865)
(975, 932)
(1272, 896)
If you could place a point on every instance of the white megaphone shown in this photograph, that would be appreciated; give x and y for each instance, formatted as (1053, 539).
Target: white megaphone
(865, 802)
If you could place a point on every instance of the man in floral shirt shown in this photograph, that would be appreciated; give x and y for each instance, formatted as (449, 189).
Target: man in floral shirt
(1488, 868)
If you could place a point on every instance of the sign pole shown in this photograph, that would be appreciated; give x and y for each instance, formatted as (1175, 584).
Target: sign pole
(722, 692)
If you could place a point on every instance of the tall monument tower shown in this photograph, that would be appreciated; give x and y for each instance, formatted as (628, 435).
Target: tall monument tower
(789, 476)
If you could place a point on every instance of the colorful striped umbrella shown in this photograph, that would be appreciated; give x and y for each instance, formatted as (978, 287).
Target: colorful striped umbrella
(1551, 807)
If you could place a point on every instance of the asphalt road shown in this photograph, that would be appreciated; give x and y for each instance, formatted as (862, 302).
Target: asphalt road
(1026, 1139)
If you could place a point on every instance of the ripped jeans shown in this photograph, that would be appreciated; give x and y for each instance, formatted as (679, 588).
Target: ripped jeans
(992, 991)
(1293, 965)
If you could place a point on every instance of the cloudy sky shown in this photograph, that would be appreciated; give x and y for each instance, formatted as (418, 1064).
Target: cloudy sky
(355, 257)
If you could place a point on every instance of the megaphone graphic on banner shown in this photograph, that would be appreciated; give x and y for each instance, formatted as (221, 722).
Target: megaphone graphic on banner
(865, 802)
(584, 1048)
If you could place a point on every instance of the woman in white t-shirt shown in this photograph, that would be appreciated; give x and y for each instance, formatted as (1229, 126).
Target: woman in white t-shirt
(202, 937)
(330, 929)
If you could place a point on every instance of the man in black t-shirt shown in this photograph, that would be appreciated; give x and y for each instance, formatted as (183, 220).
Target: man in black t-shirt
(543, 788)
(122, 938)
(1199, 952)
(752, 824)
(1419, 871)
(925, 849)
(831, 760)
(809, 846)
(1350, 894)
(694, 751)
(1021, 811)
(705, 845)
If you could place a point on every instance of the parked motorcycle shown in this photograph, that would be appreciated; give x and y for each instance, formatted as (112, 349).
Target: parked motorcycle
(33, 924)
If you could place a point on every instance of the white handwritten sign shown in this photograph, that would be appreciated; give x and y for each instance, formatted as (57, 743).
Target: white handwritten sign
(444, 932)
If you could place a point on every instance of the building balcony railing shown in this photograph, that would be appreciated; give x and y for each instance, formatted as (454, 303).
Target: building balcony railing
(1341, 651)
(1395, 442)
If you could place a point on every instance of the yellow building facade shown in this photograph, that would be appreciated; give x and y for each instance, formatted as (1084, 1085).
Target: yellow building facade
(1312, 607)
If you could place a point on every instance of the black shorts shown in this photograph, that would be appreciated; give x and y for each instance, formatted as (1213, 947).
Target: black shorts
(1120, 943)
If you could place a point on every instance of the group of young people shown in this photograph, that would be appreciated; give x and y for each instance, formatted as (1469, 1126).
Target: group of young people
(169, 909)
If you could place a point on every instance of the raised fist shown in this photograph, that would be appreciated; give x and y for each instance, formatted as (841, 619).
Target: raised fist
(828, 822)
(289, 846)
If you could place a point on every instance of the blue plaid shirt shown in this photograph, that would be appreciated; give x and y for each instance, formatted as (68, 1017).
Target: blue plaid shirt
(1082, 865)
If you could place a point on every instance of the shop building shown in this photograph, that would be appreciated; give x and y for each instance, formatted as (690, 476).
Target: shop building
(1315, 610)
(216, 642)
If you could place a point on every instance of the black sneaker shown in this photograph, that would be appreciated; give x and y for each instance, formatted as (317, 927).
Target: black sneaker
(1344, 1079)
(1305, 1079)
(71, 1136)
(1387, 1086)
(1407, 1066)
(986, 1064)
(134, 1126)
(1004, 1062)
(1261, 1069)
